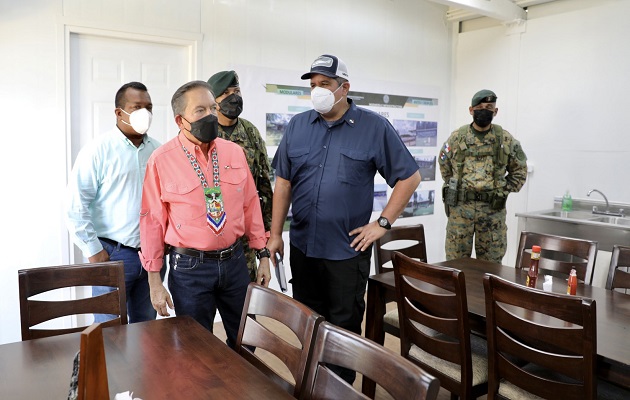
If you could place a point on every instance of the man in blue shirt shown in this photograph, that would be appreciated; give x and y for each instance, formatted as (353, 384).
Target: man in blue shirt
(325, 167)
(105, 193)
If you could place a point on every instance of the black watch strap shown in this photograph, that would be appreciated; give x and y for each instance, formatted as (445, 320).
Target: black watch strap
(384, 223)
(262, 253)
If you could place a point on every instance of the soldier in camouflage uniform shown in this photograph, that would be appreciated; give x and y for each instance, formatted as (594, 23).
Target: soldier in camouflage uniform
(481, 164)
(227, 91)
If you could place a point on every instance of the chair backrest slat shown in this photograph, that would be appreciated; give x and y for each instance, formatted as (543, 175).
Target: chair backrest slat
(36, 281)
(433, 314)
(417, 247)
(340, 347)
(261, 303)
(559, 254)
(619, 271)
(541, 342)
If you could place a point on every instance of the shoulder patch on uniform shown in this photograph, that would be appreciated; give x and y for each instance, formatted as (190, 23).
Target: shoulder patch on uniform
(445, 150)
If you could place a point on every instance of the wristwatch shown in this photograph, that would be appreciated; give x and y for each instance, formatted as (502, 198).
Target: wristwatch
(384, 223)
(262, 253)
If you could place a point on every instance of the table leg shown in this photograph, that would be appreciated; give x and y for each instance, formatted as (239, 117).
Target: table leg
(374, 325)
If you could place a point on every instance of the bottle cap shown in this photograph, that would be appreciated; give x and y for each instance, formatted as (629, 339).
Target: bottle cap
(536, 249)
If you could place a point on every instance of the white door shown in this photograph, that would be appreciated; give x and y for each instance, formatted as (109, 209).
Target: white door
(99, 66)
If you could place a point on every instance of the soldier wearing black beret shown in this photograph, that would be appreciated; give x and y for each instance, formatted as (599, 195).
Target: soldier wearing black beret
(481, 163)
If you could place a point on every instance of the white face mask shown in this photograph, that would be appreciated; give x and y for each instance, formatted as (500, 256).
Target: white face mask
(323, 99)
(139, 120)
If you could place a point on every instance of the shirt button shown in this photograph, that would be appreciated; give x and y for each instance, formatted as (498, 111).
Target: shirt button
(320, 165)
(325, 147)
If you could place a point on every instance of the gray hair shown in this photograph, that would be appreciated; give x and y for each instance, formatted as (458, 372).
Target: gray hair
(178, 103)
(340, 80)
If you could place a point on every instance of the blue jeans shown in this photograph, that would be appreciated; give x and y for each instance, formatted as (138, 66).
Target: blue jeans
(200, 287)
(139, 306)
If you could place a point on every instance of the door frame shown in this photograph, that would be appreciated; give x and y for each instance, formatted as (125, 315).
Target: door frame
(192, 41)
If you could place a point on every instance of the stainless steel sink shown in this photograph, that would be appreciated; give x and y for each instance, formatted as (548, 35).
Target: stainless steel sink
(612, 220)
(581, 223)
(569, 214)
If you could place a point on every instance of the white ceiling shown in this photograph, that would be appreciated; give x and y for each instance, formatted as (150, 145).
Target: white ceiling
(505, 11)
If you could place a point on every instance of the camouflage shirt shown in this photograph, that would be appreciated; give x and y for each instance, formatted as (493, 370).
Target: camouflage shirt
(474, 157)
(247, 136)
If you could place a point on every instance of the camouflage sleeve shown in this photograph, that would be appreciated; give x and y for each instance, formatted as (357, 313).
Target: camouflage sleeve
(263, 182)
(516, 168)
(444, 159)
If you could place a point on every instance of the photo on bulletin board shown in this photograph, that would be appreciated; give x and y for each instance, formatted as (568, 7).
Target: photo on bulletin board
(276, 125)
(420, 203)
(414, 118)
(426, 166)
(416, 133)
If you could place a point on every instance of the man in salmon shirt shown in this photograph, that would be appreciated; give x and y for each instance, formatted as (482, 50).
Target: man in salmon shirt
(198, 200)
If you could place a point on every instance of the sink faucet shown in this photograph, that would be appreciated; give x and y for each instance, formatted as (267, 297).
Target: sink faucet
(603, 195)
(605, 212)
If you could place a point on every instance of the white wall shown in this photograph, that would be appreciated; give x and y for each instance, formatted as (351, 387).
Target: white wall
(562, 90)
(397, 41)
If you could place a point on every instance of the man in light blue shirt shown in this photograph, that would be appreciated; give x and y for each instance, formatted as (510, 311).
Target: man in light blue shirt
(105, 193)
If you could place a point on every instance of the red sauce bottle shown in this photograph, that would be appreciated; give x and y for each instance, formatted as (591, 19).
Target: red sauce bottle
(572, 285)
(532, 273)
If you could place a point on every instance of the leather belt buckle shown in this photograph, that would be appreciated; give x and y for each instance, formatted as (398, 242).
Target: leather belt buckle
(226, 253)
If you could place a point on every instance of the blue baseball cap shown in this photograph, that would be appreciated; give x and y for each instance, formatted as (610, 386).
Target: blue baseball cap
(328, 65)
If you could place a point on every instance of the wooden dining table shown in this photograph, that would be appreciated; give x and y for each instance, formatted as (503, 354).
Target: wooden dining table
(171, 358)
(613, 313)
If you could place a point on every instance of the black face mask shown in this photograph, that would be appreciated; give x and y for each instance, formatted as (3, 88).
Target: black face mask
(483, 117)
(232, 106)
(206, 129)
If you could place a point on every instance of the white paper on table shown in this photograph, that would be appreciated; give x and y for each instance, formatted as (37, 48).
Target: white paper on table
(125, 396)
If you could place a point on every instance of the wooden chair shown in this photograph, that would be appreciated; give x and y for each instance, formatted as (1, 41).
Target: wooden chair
(303, 322)
(92, 384)
(39, 280)
(413, 236)
(337, 346)
(434, 328)
(559, 254)
(553, 335)
(619, 271)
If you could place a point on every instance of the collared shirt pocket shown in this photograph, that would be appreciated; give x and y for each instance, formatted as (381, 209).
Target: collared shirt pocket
(354, 167)
(233, 174)
(297, 157)
(185, 197)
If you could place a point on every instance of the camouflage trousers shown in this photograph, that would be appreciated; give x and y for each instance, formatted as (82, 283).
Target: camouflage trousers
(476, 218)
(250, 257)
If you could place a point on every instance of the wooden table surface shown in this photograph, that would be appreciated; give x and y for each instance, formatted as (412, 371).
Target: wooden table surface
(613, 312)
(172, 358)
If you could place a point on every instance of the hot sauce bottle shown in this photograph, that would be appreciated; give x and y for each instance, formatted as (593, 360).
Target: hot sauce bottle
(532, 273)
(572, 285)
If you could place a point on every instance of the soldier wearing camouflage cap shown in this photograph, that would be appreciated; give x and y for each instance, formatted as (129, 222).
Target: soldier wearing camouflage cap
(227, 91)
(481, 164)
